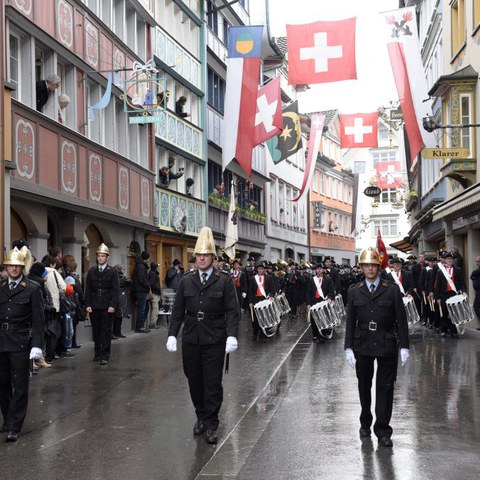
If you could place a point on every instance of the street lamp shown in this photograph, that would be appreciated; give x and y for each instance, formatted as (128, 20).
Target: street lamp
(430, 125)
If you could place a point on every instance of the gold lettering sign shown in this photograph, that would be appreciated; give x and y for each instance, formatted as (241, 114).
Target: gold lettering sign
(445, 153)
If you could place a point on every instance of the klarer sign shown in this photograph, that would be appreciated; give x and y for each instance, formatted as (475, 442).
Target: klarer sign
(445, 153)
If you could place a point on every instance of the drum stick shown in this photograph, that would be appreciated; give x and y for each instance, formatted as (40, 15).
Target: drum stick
(440, 309)
(424, 298)
(251, 313)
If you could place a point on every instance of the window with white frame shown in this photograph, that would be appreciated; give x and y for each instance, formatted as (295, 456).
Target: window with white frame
(119, 18)
(387, 196)
(388, 227)
(95, 124)
(281, 198)
(273, 200)
(384, 156)
(315, 181)
(322, 184)
(288, 205)
(14, 63)
(329, 186)
(465, 119)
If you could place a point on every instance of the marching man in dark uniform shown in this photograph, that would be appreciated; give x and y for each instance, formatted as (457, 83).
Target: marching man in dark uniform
(401, 277)
(261, 287)
(240, 281)
(21, 338)
(333, 273)
(102, 294)
(206, 303)
(319, 288)
(376, 324)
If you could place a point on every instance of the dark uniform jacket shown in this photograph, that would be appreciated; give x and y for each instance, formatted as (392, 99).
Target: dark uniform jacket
(440, 285)
(385, 307)
(334, 274)
(21, 316)
(417, 271)
(407, 280)
(210, 313)
(268, 286)
(102, 289)
(327, 289)
(42, 94)
(139, 276)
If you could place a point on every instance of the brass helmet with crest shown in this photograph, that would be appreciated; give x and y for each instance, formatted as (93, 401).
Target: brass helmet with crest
(369, 255)
(205, 243)
(102, 248)
(22, 257)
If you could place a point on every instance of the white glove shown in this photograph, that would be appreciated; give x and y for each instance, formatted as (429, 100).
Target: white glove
(172, 344)
(350, 356)
(244, 295)
(231, 345)
(35, 353)
(404, 354)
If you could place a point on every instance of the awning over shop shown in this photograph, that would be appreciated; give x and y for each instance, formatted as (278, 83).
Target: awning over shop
(403, 245)
(469, 197)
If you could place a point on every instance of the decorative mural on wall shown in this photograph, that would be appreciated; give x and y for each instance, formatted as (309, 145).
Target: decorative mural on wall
(69, 167)
(25, 6)
(65, 23)
(25, 148)
(95, 177)
(145, 193)
(91, 43)
(123, 188)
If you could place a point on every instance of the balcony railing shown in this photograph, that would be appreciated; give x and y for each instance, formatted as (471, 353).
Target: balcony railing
(172, 53)
(216, 45)
(179, 213)
(178, 132)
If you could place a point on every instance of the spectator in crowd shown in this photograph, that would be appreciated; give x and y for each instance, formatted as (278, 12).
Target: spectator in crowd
(167, 174)
(38, 273)
(68, 317)
(63, 102)
(54, 283)
(123, 305)
(162, 99)
(154, 281)
(70, 269)
(44, 88)
(174, 275)
(179, 107)
(141, 288)
(56, 253)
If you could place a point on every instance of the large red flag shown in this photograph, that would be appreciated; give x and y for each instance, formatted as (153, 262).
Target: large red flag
(382, 251)
(389, 175)
(359, 130)
(268, 120)
(321, 52)
(405, 57)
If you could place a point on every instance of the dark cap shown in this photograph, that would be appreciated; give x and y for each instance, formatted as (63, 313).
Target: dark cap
(261, 264)
(250, 259)
(396, 260)
(145, 255)
(176, 262)
(447, 255)
(319, 265)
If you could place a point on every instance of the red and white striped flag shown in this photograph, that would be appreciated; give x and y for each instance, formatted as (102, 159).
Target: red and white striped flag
(404, 51)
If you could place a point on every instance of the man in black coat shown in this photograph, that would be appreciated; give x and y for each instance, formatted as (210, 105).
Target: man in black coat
(376, 325)
(475, 278)
(44, 88)
(141, 287)
(447, 273)
(174, 275)
(261, 287)
(206, 304)
(333, 273)
(402, 278)
(319, 288)
(102, 294)
(239, 278)
(21, 337)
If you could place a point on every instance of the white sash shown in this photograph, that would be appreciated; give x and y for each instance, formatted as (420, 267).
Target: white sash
(319, 287)
(397, 281)
(447, 277)
(260, 285)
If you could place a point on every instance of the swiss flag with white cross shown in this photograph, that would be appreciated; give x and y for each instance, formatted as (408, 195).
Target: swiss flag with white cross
(359, 130)
(268, 119)
(321, 52)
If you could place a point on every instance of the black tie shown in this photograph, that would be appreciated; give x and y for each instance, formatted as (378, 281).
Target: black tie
(372, 287)
(12, 285)
(204, 278)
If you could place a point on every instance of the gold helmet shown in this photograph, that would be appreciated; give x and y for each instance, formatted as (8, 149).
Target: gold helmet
(102, 248)
(205, 243)
(370, 255)
(21, 257)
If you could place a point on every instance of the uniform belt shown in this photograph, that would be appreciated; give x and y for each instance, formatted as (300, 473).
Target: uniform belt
(374, 326)
(205, 316)
(12, 326)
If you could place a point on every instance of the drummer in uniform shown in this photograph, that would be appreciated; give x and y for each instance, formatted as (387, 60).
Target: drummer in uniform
(261, 287)
(206, 304)
(376, 326)
(448, 283)
(240, 281)
(319, 288)
(401, 277)
(333, 273)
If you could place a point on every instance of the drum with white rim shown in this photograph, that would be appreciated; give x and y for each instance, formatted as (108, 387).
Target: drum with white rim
(411, 310)
(326, 317)
(459, 310)
(267, 316)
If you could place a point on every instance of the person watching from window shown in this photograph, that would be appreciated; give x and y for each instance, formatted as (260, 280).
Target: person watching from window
(166, 173)
(180, 105)
(63, 102)
(44, 88)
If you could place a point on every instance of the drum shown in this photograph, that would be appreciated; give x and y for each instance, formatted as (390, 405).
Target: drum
(411, 310)
(340, 307)
(267, 317)
(459, 310)
(326, 318)
(285, 306)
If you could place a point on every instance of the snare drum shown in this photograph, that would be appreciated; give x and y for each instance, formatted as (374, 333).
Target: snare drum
(459, 310)
(325, 315)
(267, 317)
(411, 310)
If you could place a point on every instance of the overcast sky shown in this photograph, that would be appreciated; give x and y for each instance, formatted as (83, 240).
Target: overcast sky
(374, 86)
